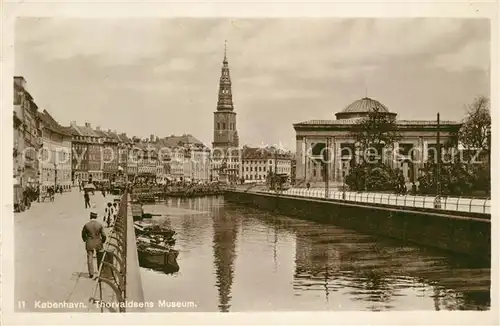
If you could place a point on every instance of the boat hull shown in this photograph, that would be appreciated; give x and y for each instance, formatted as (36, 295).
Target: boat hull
(165, 261)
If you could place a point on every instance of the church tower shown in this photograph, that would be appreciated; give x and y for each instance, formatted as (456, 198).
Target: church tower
(225, 133)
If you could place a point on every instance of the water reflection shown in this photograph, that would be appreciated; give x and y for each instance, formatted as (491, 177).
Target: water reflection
(225, 231)
(240, 259)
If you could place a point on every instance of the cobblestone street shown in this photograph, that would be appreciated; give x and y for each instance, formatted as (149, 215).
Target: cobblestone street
(50, 257)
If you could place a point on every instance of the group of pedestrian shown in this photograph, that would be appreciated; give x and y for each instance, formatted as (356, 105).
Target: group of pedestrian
(110, 213)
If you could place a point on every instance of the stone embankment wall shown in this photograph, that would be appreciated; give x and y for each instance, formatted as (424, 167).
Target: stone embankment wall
(443, 230)
(134, 290)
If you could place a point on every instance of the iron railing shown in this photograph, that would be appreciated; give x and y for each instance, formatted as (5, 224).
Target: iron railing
(113, 265)
(459, 204)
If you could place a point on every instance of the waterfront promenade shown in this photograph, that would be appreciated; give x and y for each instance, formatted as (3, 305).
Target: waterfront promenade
(50, 257)
(458, 204)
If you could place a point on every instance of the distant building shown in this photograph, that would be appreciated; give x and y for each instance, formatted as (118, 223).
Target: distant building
(26, 136)
(110, 155)
(55, 163)
(189, 158)
(124, 147)
(225, 156)
(147, 161)
(257, 163)
(418, 142)
(87, 153)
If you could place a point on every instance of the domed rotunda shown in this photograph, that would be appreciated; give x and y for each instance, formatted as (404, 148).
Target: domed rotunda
(418, 137)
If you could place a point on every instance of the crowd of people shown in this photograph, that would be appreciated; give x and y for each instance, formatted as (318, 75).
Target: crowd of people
(33, 193)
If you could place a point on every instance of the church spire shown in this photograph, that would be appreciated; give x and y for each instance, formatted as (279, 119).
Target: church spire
(225, 101)
(225, 51)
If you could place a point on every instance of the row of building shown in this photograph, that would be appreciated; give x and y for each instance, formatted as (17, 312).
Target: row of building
(47, 153)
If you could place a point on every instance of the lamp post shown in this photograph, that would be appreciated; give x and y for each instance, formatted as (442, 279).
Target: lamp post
(275, 170)
(438, 164)
(55, 175)
(327, 163)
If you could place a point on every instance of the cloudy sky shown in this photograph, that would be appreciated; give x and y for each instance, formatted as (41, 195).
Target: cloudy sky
(143, 76)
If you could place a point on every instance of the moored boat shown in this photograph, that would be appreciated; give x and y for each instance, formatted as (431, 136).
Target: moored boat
(158, 257)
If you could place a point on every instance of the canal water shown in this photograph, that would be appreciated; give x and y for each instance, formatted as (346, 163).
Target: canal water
(235, 258)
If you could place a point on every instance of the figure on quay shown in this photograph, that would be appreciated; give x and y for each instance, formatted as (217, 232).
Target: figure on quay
(115, 211)
(86, 197)
(94, 237)
(108, 213)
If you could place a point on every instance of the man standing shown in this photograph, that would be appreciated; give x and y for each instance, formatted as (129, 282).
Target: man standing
(87, 199)
(94, 237)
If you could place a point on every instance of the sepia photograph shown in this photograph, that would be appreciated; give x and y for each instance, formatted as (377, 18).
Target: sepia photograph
(281, 164)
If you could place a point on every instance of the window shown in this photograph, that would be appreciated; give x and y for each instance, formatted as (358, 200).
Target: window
(218, 126)
(223, 126)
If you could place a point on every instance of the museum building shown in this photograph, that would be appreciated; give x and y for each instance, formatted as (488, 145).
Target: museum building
(416, 145)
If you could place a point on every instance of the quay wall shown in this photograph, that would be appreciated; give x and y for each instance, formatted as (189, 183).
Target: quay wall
(455, 233)
(134, 290)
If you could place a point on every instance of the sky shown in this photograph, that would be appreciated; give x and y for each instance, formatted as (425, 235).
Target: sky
(160, 76)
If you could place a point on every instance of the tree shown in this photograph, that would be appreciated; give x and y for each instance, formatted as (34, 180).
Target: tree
(475, 136)
(475, 131)
(376, 131)
(459, 175)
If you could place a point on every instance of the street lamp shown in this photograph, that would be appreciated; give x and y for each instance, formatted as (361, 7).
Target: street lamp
(55, 175)
(437, 204)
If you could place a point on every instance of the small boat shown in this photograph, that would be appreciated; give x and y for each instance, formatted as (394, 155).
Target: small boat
(149, 215)
(158, 257)
(150, 229)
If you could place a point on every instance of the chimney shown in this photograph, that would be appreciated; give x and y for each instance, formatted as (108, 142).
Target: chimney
(109, 130)
(88, 125)
(152, 138)
(73, 124)
(98, 128)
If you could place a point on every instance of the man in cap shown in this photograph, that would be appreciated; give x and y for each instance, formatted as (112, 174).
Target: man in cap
(94, 237)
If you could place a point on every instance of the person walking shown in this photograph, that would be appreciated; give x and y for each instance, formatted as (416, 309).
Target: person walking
(94, 237)
(108, 213)
(87, 199)
(115, 212)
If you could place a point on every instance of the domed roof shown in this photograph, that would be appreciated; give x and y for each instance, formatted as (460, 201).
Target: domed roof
(365, 104)
(362, 108)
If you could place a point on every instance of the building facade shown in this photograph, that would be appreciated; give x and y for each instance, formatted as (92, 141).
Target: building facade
(417, 143)
(87, 153)
(225, 156)
(27, 133)
(257, 163)
(55, 159)
(110, 155)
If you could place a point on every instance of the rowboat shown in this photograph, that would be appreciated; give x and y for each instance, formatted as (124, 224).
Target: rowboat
(157, 256)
